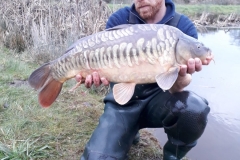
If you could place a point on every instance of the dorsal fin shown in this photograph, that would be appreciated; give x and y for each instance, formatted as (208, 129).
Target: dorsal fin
(119, 27)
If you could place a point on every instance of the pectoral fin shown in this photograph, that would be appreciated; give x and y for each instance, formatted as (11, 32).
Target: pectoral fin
(167, 79)
(123, 92)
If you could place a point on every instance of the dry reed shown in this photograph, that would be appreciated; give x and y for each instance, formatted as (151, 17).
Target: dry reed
(47, 27)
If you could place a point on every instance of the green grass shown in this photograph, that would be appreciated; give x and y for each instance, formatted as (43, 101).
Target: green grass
(192, 10)
(28, 131)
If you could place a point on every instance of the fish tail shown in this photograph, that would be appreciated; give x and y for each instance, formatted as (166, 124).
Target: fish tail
(48, 87)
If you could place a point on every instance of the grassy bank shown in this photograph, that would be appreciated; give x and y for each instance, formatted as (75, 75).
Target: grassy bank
(28, 131)
(192, 10)
(205, 14)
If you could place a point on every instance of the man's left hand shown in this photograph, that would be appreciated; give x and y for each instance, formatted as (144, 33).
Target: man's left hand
(184, 76)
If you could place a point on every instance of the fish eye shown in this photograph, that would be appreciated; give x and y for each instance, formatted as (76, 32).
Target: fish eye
(199, 45)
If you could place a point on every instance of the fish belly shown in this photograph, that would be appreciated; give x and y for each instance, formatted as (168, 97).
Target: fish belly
(139, 74)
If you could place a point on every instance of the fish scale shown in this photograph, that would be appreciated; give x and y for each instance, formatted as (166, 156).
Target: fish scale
(126, 54)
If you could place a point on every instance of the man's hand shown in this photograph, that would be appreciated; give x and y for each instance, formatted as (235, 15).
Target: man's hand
(184, 76)
(91, 79)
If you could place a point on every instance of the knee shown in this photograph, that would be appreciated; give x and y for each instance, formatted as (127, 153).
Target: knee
(189, 106)
(190, 112)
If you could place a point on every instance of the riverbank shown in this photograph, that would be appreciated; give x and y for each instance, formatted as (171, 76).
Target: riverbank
(214, 20)
(60, 132)
(28, 131)
(210, 15)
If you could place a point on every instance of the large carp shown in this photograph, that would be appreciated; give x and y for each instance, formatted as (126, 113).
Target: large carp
(127, 55)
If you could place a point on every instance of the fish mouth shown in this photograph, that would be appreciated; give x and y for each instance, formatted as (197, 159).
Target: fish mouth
(208, 58)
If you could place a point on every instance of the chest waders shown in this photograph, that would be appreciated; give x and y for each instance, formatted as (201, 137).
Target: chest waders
(183, 116)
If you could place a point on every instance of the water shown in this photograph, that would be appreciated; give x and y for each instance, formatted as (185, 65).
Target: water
(219, 83)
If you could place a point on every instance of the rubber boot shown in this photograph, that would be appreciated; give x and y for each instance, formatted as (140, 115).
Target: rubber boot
(176, 152)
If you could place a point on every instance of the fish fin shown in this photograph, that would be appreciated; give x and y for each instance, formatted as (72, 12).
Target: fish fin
(76, 86)
(119, 27)
(123, 92)
(167, 79)
(49, 88)
(38, 78)
(49, 92)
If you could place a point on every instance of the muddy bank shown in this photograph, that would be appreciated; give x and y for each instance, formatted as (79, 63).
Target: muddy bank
(217, 20)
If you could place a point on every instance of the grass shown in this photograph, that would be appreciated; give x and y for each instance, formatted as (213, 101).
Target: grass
(28, 131)
(192, 10)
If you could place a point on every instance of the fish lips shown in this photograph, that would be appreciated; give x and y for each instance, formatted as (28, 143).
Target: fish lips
(208, 58)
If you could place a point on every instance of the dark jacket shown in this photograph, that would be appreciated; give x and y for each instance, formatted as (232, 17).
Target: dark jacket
(122, 17)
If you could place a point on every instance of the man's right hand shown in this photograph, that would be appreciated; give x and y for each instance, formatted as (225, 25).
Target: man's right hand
(91, 79)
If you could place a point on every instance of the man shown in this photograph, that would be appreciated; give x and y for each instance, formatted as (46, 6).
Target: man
(183, 114)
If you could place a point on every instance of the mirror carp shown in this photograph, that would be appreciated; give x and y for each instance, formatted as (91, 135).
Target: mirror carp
(127, 55)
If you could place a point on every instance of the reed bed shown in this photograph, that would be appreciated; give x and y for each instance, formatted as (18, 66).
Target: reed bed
(47, 27)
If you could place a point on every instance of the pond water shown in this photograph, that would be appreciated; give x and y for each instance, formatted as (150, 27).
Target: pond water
(219, 83)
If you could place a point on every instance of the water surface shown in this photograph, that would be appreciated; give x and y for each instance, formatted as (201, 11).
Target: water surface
(219, 83)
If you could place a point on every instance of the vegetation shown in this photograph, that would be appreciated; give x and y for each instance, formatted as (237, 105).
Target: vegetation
(46, 28)
(192, 10)
(34, 32)
(205, 14)
(28, 131)
(219, 2)
(212, 15)
(36, 35)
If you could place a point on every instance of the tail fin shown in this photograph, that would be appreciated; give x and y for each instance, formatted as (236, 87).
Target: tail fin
(48, 87)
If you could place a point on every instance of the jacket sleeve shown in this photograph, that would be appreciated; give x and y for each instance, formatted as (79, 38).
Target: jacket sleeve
(112, 21)
(187, 27)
